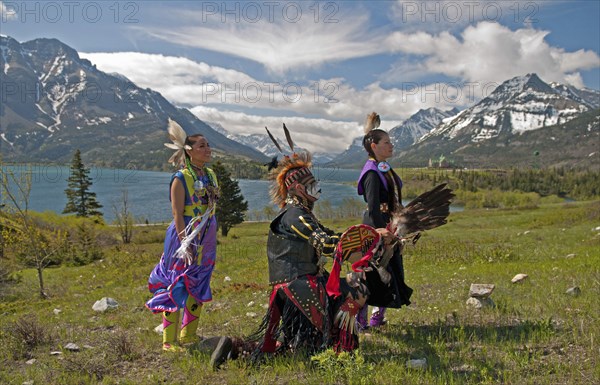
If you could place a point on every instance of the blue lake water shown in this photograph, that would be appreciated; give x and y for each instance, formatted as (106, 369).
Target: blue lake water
(148, 191)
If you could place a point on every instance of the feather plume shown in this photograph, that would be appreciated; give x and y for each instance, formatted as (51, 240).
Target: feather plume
(427, 211)
(288, 137)
(373, 121)
(273, 140)
(178, 136)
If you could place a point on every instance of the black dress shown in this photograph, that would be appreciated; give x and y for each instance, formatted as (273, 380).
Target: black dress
(397, 293)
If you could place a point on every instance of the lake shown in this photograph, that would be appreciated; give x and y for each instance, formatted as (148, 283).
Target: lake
(148, 191)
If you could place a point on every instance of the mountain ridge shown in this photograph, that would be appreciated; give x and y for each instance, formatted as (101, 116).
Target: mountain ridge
(519, 106)
(60, 102)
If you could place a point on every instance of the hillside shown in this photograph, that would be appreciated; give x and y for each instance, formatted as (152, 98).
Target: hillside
(57, 102)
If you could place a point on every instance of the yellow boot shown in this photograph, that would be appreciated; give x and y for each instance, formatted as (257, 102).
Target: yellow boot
(189, 324)
(170, 326)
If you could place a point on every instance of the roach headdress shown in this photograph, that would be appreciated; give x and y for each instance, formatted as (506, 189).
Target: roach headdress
(373, 121)
(291, 169)
(371, 127)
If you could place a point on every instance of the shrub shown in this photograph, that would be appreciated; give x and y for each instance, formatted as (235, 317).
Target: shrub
(26, 334)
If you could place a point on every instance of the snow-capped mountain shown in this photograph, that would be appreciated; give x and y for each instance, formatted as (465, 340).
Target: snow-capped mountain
(402, 136)
(520, 104)
(263, 144)
(55, 102)
(499, 122)
(585, 96)
(419, 124)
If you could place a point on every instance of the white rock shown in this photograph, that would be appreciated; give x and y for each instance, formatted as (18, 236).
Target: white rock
(474, 303)
(251, 314)
(57, 311)
(31, 361)
(72, 347)
(465, 368)
(569, 256)
(420, 363)
(478, 303)
(526, 232)
(519, 278)
(55, 353)
(159, 329)
(251, 303)
(30, 382)
(227, 279)
(105, 304)
(596, 228)
(574, 291)
(481, 290)
(265, 305)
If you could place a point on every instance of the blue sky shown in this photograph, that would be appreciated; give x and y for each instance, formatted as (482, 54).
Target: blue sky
(320, 67)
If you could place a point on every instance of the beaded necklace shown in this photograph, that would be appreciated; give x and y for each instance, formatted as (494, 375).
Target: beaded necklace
(200, 189)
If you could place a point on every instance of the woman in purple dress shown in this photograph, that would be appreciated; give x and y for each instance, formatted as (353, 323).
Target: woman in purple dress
(181, 280)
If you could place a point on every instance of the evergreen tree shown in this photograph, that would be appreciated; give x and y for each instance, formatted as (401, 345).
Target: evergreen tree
(80, 200)
(231, 207)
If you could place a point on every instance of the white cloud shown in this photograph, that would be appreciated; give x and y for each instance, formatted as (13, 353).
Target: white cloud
(162, 71)
(490, 52)
(322, 135)
(186, 82)
(279, 44)
(7, 13)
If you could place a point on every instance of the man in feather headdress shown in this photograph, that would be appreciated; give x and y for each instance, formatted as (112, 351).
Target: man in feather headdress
(301, 316)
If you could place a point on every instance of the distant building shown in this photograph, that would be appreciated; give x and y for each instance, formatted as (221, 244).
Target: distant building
(441, 162)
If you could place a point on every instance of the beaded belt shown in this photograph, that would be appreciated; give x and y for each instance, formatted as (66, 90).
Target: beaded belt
(384, 208)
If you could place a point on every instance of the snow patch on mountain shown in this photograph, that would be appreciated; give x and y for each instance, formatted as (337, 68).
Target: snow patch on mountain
(521, 104)
(3, 136)
(4, 51)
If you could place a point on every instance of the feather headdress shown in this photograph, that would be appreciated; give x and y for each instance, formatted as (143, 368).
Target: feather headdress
(292, 168)
(178, 136)
(373, 121)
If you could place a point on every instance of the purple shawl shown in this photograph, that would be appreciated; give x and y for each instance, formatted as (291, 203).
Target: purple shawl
(371, 165)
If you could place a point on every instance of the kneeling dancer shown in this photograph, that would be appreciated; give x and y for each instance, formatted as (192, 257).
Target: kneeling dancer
(301, 316)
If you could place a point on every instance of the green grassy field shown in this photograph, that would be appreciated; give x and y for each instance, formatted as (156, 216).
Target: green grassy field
(536, 333)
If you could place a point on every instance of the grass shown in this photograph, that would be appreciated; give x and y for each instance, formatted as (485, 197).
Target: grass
(536, 334)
